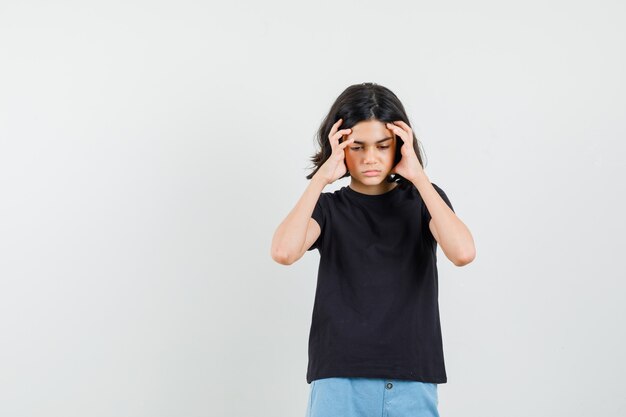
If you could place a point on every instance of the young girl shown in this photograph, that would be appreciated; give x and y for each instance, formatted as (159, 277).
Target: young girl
(375, 345)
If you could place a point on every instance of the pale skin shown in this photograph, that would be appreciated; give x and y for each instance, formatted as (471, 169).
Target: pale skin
(370, 145)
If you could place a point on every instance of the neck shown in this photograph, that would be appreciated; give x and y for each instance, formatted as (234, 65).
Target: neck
(372, 189)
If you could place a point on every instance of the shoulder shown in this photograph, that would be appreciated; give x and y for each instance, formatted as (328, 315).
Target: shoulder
(329, 196)
(409, 192)
(439, 190)
(325, 202)
(436, 187)
(443, 195)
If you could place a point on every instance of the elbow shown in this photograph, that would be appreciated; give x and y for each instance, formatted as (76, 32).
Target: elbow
(465, 258)
(282, 257)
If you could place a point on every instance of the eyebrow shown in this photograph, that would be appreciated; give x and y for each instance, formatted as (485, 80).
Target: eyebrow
(378, 141)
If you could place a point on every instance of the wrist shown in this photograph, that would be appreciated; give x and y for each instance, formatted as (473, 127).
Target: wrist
(420, 179)
(319, 181)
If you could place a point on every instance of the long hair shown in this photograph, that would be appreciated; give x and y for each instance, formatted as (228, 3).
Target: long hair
(361, 102)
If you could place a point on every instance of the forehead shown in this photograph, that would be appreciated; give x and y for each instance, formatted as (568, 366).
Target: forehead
(370, 131)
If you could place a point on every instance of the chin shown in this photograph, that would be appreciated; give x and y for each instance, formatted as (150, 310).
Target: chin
(373, 180)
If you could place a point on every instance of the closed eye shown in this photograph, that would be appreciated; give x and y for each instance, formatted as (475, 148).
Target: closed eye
(356, 148)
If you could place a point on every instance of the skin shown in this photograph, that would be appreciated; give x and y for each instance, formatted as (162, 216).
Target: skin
(367, 153)
(449, 231)
(298, 230)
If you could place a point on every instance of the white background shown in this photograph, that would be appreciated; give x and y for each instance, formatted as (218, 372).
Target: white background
(149, 149)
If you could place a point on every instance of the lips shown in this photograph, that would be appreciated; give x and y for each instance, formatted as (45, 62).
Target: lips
(371, 173)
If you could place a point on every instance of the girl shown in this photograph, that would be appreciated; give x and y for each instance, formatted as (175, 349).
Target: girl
(375, 345)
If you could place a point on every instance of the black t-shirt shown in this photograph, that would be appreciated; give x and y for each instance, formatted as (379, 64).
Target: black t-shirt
(376, 308)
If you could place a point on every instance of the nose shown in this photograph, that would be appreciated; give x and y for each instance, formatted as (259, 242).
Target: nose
(370, 156)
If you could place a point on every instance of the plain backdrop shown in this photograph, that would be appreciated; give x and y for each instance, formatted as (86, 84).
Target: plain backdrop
(149, 149)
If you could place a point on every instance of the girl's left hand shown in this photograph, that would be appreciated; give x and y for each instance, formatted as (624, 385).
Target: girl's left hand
(408, 166)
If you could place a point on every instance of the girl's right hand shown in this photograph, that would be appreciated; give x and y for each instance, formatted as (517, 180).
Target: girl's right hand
(335, 167)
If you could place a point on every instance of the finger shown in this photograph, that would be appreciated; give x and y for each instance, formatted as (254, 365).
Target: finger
(398, 131)
(334, 139)
(334, 127)
(345, 143)
(403, 125)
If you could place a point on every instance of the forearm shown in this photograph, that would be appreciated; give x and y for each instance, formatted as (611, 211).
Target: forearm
(454, 237)
(290, 235)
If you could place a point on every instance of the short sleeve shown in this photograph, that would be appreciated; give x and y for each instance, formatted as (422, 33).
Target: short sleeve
(425, 213)
(319, 217)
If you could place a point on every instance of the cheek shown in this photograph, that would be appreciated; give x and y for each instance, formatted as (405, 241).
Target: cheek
(349, 159)
(391, 152)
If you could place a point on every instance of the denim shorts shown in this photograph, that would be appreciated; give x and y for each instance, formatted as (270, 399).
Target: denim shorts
(372, 397)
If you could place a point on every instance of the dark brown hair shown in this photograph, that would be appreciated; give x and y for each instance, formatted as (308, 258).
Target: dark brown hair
(360, 102)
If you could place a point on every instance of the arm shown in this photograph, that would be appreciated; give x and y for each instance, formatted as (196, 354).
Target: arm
(448, 230)
(298, 231)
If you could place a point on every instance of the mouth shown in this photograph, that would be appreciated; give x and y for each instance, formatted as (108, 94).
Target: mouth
(371, 173)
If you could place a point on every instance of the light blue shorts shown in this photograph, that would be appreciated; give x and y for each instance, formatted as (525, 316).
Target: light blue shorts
(372, 397)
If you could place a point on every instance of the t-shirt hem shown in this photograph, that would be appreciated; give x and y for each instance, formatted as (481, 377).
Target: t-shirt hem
(366, 374)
